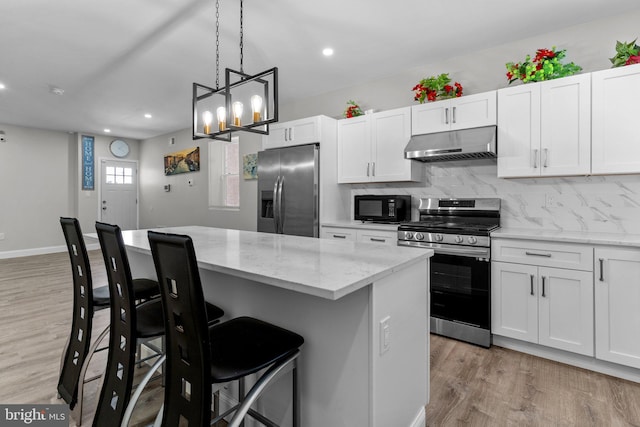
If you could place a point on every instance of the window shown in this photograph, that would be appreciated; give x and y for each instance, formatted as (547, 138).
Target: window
(224, 174)
(119, 175)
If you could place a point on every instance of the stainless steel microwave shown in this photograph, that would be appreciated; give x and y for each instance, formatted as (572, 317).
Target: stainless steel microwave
(382, 208)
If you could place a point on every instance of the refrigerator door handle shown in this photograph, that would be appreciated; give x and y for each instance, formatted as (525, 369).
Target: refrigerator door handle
(280, 216)
(275, 203)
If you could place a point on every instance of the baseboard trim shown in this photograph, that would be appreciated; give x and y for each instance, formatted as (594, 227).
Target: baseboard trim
(578, 360)
(30, 252)
(421, 419)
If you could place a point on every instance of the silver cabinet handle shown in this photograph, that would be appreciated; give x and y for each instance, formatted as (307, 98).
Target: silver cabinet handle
(531, 276)
(543, 293)
(338, 236)
(535, 254)
(373, 169)
(546, 157)
(377, 240)
(291, 135)
(446, 116)
(535, 158)
(454, 115)
(601, 260)
(368, 168)
(286, 131)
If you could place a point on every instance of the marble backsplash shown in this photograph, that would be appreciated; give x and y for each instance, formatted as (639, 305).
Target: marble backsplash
(589, 203)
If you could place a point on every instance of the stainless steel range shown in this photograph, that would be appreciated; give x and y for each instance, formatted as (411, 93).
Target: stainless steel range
(458, 231)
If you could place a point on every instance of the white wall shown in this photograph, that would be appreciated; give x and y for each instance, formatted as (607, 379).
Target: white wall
(188, 205)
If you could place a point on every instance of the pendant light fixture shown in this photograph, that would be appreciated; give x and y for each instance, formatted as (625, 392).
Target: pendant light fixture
(244, 103)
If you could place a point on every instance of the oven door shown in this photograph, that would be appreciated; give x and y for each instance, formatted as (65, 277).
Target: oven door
(460, 289)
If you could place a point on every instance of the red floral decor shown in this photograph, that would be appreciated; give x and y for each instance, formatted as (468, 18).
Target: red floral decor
(436, 87)
(353, 110)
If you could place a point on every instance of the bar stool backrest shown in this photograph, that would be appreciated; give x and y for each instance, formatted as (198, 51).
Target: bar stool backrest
(118, 377)
(78, 346)
(188, 384)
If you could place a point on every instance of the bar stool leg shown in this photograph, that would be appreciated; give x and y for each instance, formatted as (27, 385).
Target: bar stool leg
(241, 394)
(296, 395)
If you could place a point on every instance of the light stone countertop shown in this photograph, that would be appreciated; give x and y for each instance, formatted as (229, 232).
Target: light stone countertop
(593, 238)
(321, 267)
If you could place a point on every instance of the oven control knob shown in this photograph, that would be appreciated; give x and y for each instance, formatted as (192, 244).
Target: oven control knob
(439, 237)
(419, 236)
(458, 239)
(472, 240)
(408, 236)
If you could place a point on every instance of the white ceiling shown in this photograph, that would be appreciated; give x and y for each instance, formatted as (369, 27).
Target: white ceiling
(119, 59)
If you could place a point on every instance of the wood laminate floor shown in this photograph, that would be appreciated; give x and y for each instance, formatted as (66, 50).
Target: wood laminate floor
(470, 386)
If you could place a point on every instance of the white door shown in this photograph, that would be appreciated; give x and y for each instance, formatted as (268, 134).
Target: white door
(354, 150)
(391, 131)
(565, 302)
(519, 131)
(514, 301)
(119, 193)
(566, 126)
(617, 302)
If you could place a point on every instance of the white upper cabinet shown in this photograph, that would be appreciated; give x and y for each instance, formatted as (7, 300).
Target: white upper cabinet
(544, 128)
(295, 132)
(371, 148)
(616, 140)
(456, 113)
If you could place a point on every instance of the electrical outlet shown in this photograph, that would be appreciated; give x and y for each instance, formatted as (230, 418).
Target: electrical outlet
(551, 201)
(385, 335)
(190, 182)
(1, 236)
(3, 136)
(172, 140)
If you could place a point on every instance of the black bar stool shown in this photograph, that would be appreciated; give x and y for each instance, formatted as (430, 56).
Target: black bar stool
(198, 355)
(130, 323)
(78, 351)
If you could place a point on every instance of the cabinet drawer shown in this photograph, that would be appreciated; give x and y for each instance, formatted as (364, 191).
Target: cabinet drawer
(338, 234)
(547, 254)
(380, 237)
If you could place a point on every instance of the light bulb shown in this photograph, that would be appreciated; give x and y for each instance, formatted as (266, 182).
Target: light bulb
(237, 113)
(221, 112)
(207, 118)
(256, 107)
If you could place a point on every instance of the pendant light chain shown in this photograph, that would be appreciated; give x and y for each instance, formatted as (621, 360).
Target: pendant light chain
(217, 44)
(241, 38)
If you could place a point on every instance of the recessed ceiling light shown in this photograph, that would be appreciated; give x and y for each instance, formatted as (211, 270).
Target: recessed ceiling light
(327, 51)
(148, 116)
(56, 90)
(2, 86)
(107, 130)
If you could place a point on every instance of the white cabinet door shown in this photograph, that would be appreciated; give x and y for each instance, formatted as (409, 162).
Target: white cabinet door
(615, 112)
(295, 132)
(519, 131)
(565, 140)
(565, 304)
(430, 117)
(474, 110)
(617, 304)
(514, 301)
(354, 150)
(390, 133)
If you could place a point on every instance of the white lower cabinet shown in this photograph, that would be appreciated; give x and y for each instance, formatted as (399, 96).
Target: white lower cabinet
(617, 305)
(338, 233)
(545, 305)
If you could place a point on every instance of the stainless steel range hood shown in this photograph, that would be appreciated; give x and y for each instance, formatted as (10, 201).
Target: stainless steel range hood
(475, 143)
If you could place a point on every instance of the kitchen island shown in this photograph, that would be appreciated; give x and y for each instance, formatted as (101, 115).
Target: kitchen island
(362, 309)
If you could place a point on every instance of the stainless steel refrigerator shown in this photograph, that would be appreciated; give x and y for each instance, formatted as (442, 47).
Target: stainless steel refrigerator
(288, 200)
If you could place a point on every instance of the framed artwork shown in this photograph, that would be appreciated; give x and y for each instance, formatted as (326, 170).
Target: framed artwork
(250, 166)
(88, 171)
(182, 161)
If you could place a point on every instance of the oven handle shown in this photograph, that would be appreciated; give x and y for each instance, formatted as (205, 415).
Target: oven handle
(439, 249)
